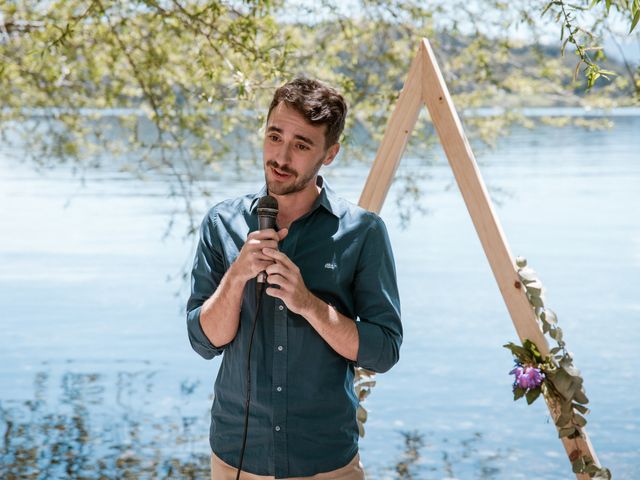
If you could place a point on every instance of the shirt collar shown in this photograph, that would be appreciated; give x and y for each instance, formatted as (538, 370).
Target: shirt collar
(327, 198)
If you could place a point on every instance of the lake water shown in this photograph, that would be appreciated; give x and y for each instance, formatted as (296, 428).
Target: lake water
(97, 378)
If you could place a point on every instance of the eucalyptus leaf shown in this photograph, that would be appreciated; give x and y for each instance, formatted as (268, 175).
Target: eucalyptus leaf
(563, 383)
(521, 262)
(579, 420)
(527, 275)
(578, 465)
(563, 420)
(364, 393)
(565, 432)
(534, 288)
(550, 316)
(571, 370)
(556, 334)
(536, 301)
(368, 383)
(566, 408)
(361, 414)
(580, 397)
(581, 408)
(603, 474)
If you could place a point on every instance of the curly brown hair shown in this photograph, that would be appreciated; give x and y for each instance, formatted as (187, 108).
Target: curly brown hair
(319, 103)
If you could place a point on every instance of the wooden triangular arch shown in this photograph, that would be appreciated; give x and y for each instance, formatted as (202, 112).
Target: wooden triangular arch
(425, 84)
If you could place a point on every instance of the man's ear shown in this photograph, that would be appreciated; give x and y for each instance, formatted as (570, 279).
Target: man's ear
(332, 151)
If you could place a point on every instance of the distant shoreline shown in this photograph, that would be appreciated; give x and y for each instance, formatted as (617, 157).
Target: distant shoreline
(470, 112)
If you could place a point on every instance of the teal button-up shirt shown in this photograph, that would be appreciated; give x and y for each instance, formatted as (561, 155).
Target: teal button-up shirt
(303, 405)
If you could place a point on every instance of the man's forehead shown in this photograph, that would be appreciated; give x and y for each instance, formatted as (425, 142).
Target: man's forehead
(283, 117)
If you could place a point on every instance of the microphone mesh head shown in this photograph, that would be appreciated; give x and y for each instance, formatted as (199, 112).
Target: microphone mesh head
(268, 202)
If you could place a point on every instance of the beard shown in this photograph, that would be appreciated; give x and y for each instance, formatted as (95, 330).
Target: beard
(295, 184)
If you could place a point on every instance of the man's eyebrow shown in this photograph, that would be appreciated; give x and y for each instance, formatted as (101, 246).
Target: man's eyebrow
(274, 128)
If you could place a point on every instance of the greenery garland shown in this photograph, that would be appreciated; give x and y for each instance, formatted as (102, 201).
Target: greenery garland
(553, 376)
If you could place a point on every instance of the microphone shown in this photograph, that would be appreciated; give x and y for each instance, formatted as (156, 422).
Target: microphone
(267, 213)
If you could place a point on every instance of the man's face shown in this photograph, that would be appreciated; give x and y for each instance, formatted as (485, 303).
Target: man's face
(293, 151)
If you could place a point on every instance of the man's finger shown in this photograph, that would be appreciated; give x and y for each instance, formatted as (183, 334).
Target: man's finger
(280, 257)
(259, 256)
(276, 279)
(283, 232)
(277, 268)
(275, 292)
(266, 234)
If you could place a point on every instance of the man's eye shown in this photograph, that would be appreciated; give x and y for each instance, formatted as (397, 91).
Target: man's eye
(273, 138)
(302, 147)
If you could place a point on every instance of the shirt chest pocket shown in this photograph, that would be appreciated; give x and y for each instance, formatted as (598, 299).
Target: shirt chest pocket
(328, 276)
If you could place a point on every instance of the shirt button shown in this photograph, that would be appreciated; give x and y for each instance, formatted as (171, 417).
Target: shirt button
(279, 389)
(277, 428)
(280, 348)
(280, 307)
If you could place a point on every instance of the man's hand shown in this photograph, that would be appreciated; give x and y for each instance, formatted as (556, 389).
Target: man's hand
(337, 330)
(251, 260)
(286, 274)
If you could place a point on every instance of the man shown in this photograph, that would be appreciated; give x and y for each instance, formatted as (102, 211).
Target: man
(331, 304)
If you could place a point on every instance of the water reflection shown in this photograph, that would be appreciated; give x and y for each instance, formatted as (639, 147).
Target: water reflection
(90, 425)
(424, 456)
(74, 433)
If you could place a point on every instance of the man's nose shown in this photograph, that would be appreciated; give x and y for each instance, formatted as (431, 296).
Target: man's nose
(283, 154)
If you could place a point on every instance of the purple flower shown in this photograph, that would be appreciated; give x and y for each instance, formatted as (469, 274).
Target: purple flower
(527, 376)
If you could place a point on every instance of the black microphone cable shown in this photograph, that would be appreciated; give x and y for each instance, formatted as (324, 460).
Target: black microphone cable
(259, 292)
(267, 214)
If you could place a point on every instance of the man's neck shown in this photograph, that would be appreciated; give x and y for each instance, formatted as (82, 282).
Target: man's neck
(294, 205)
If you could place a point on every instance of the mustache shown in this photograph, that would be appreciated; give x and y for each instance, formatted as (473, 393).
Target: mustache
(285, 169)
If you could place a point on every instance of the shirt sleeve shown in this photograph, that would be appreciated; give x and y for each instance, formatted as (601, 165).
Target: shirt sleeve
(377, 302)
(207, 271)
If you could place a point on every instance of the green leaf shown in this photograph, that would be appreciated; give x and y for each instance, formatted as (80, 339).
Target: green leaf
(368, 383)
(563, 383)
(579, 420)
(556, 334)
(603, 474)
(519, 352)
(527, 275)
(550, 316)
(565, 432)
(581, 408)
(563, 420)
(534, 288)
(566, 408)
(361, 414)
(532, 395)
(580, 397)
(635, 20)
(579, 465)
(547, 8)
(536, 301)
(518, 393)
(571, 370)
(532, 349)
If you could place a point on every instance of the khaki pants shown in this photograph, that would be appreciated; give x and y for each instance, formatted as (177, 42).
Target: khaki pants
(352, 471)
